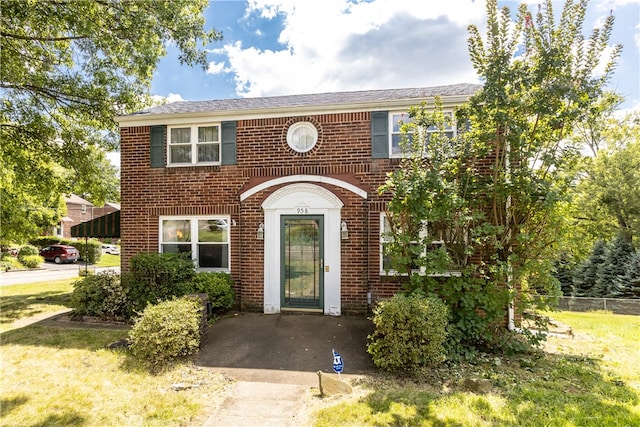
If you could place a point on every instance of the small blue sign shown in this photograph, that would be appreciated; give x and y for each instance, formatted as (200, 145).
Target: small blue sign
(338, 365)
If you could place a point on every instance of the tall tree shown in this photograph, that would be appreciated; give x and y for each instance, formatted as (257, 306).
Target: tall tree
(67, 68)
(613, 265)
(586, 274)
(493, 194)
(541, 79)
(627, 285)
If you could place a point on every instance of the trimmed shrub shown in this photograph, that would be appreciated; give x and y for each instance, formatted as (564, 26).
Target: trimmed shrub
(99, 295)
(218, 286)
(10, 262)
(157, 277)
(166, 332)
(409, 334)
(31, 261)
(27, 250)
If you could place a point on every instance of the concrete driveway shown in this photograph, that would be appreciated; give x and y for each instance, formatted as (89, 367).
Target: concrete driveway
(286, 348)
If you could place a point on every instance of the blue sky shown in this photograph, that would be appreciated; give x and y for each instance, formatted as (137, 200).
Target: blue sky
(280, 47)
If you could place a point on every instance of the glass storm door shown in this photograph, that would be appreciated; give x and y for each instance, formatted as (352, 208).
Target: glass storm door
(302, 261)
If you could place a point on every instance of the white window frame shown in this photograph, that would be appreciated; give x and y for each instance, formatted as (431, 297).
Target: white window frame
(194, 144)
(292, 139)
(194, 238)
(396, 116)
(423, 233)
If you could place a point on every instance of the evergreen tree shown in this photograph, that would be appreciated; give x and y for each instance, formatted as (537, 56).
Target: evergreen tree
(563, 273)
(584, 280)
(613, 265)
(628, 284)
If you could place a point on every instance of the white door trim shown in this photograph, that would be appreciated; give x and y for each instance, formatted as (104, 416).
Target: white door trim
(302, 199)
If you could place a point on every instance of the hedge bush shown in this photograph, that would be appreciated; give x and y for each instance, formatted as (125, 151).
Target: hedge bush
(410, 333)
(31, 261)
(27, 250)
(218, 286)
(157, 277)
(166, 332)
(100, 295)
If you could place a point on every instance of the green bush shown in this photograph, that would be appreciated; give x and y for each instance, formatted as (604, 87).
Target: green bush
(99, 295)
(157, 277)
(10, 262)
(27, 250)
(409, 334)
(31, 261)
(477, 314)
(167, 331)
(218, 286)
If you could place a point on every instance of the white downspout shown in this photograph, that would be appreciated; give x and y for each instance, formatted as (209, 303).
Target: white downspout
(511, 311)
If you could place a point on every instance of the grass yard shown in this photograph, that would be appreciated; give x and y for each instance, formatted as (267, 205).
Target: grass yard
(54, 376)
(19, 302)
(108, 260)
(591, 379)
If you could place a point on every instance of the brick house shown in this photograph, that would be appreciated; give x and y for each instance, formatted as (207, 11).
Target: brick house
(281, 192)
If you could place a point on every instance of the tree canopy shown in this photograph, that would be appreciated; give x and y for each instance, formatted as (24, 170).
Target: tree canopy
(492, 195)
(67, 68)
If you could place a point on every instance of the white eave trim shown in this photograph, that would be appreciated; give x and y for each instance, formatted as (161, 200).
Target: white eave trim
(142, 119)
(303, 178)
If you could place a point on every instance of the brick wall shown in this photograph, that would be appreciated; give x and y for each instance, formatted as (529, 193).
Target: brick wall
(343, 151)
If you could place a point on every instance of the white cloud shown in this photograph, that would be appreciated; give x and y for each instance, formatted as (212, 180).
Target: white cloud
(172, 97)
(341, 45)
(215, 67)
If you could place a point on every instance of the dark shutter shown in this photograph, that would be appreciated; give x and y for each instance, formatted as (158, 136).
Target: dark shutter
(157, 146)
(379, 134)
(228, 151)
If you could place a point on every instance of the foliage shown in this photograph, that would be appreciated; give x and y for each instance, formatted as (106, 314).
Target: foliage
(27, 250)
(627, 285)
(99, 295)
(586, 274)
(9, 262)
(493, 194)
(166, 332)
(218, 286)
(615, 259)
(68, 68)
(563, 272)
(156, 277)
(31, 261)
(606, 200)
(409, 334)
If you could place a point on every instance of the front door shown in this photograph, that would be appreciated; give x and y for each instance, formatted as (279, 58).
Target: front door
(302, 261)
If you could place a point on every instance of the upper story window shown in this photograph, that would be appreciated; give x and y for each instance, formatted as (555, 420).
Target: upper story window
(302, 136)
(397, 119)
(194, 145)
(206, 239)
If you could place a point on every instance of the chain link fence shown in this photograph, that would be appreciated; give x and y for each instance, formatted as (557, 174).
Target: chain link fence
(614, 305)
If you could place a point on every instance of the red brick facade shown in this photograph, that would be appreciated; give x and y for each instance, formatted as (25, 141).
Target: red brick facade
(341, 163)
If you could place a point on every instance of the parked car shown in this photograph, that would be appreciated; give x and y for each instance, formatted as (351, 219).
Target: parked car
(60, 253)
(110, 249)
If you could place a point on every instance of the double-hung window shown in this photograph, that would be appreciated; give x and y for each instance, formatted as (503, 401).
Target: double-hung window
(194, 145)
(385, 240)
(206, 239)
(398, 119)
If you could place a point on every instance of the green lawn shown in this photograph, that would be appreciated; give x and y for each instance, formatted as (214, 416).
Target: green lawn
(591, 379)
(58, 376)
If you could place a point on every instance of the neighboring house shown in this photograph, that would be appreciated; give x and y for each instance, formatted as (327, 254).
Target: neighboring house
(80, 210)
(281, 192)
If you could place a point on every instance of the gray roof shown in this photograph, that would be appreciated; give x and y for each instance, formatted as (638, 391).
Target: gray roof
(320, 99)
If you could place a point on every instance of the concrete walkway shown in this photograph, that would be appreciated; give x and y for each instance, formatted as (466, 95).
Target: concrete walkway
(273, 360)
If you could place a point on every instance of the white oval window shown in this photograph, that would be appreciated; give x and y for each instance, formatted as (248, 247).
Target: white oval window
(302, 136)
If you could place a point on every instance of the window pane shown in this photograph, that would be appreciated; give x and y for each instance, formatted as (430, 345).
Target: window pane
(208, 134)
(396, 119)
(180, 135)
(303, 138)
(176, 230)
(214, 230)
(208, 152)
(213, 256)
(174, 249)
(180, 154)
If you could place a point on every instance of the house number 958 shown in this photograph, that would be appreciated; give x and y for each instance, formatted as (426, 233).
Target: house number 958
(302, 210)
